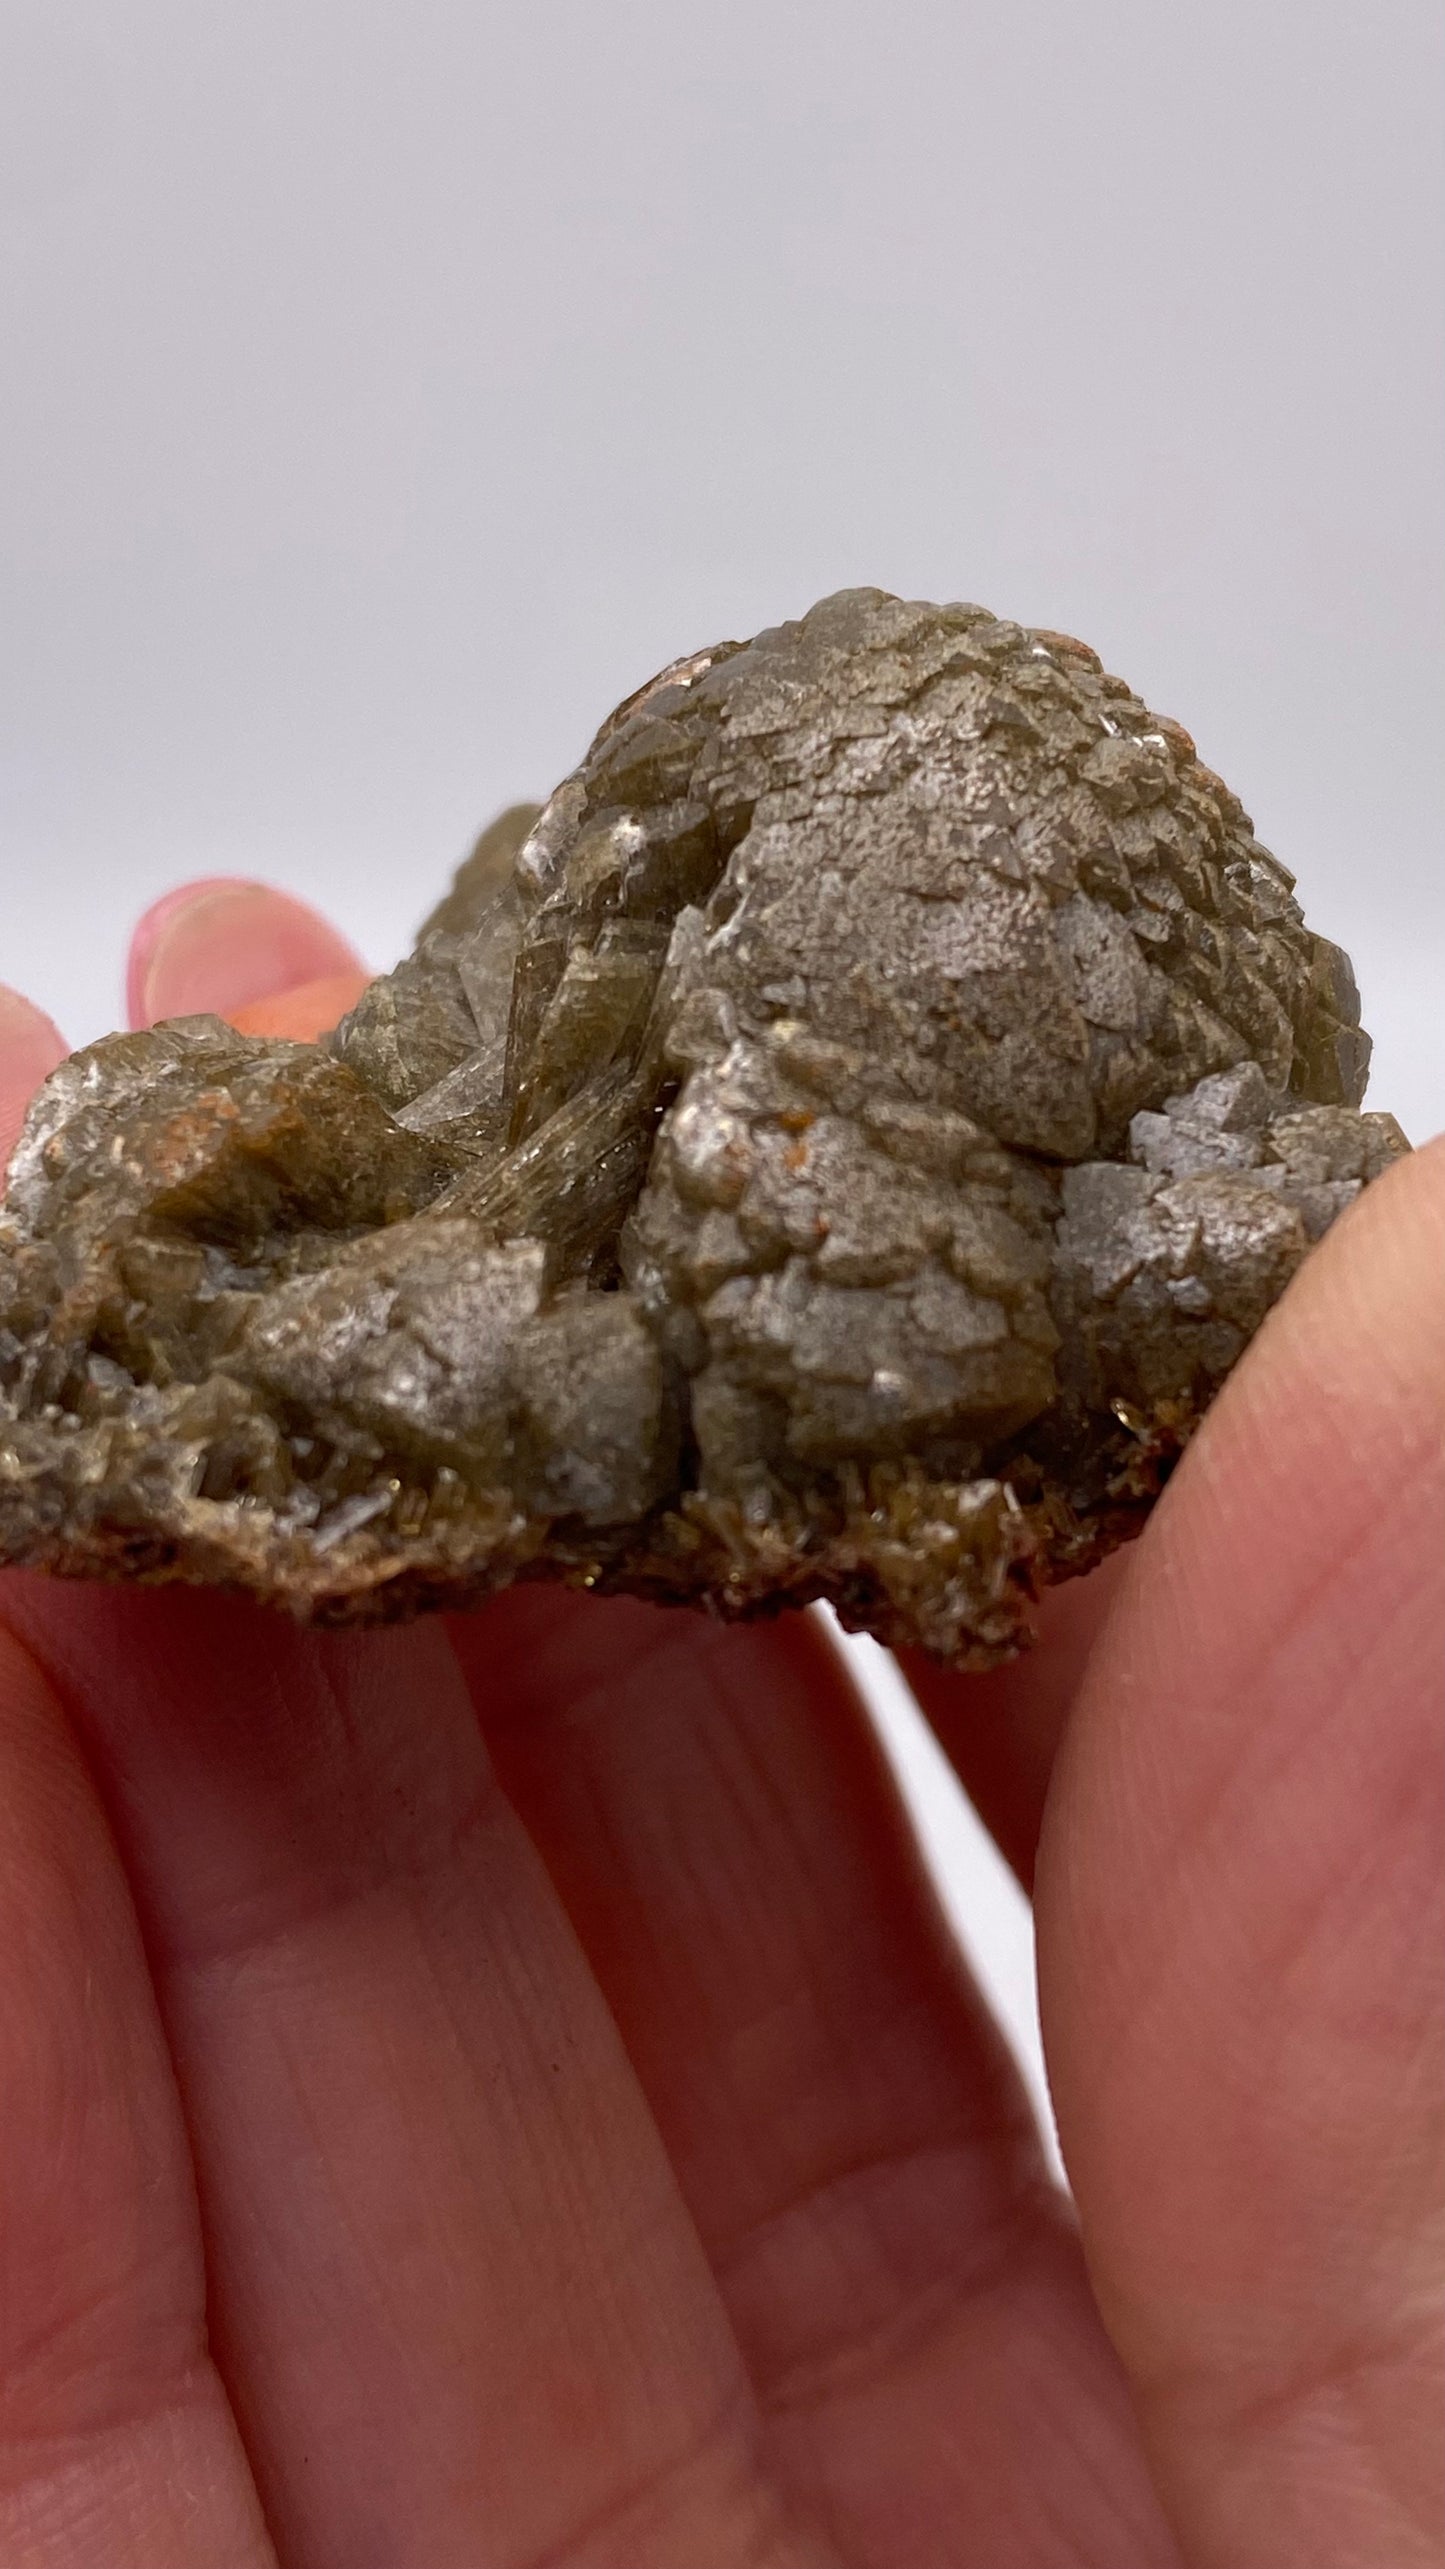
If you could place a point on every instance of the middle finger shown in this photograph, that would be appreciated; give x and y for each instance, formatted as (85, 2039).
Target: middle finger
(849, 2133)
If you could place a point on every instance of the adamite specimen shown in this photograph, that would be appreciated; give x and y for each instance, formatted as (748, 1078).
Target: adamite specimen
(835, 1149)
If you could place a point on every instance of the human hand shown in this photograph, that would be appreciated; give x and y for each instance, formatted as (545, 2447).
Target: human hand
(503, 2094)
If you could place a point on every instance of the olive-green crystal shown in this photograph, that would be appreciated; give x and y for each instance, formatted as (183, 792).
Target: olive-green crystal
(836, 1148)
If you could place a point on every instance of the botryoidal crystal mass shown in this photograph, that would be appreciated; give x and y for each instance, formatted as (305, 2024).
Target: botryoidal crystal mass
(836, 1148)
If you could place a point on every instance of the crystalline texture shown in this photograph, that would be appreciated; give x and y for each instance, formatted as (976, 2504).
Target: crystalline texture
(835, 1149)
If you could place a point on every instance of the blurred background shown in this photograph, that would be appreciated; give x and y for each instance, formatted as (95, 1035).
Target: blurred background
(388, 389)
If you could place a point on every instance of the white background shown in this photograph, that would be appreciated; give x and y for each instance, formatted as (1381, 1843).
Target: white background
(387, 386)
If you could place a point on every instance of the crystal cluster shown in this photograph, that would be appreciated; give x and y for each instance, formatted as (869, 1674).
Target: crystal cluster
(836, 1148)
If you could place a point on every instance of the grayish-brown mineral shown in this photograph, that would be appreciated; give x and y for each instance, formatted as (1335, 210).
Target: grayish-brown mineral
(835, 1149)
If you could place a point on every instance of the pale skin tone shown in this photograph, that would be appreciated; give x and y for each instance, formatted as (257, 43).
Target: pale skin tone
(503, 2097)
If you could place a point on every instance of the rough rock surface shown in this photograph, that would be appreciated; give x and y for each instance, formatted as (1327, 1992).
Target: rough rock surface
(836, 1149)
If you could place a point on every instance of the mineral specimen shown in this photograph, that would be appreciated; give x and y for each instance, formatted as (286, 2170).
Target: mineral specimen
(835, 1149)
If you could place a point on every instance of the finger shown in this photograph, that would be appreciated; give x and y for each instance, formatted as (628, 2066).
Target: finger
(1242, 1920)
(1001, 1729)
(456, 2299)
(116, 2440)
(311, 1009)
(30, 1047)
(228, 947)
(848, 2132)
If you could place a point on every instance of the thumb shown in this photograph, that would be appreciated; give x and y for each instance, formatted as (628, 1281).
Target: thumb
(1241, 1913)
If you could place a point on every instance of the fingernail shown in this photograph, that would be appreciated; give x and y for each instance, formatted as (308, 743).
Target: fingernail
(30, 1047)
(224, 944)
(305, 1013)
(150, 929)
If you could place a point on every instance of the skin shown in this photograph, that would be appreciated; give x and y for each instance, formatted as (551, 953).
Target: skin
(505, 2096)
